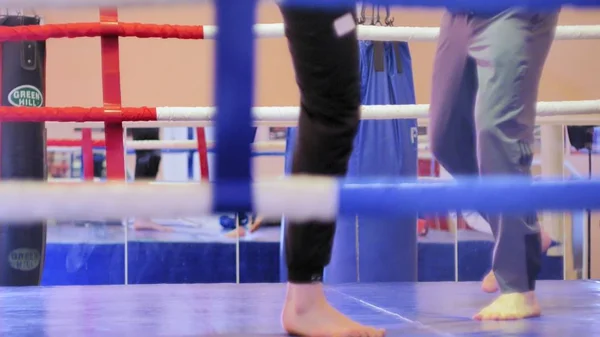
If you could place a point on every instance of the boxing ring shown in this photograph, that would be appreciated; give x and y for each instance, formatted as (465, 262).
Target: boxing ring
(405, 309)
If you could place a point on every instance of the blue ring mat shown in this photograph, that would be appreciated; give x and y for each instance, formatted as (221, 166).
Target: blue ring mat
(197, 252)
(404, 309)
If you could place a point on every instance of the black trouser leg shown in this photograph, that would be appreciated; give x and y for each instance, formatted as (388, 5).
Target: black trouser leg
(147, 162)
(324, 50)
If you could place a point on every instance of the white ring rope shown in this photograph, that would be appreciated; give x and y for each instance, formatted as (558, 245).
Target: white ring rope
(368, 112)
(410, 34)
(260, 147)
(579, 112)
(267, 146)
(299, 198)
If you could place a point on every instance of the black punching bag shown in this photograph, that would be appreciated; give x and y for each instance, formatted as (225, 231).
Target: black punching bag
(581, 137)
(22, 153)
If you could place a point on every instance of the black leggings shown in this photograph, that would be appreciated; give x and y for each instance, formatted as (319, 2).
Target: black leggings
(327, 73)
(147, 162)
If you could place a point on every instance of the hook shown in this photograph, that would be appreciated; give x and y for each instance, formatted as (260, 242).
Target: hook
(378, 22)
(362, 18)
(389, 21)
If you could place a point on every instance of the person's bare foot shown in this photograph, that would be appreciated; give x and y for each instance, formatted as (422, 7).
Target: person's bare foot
(307, 313)
(145, 224)
(236, 233)
(241, 232)
(255, 225)
(489, 284)
(511, 307)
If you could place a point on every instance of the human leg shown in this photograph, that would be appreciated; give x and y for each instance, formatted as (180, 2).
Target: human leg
(324, 49)
(510, 50)
(451, 120)
(147, 164)
(451, 124)
(489, 283)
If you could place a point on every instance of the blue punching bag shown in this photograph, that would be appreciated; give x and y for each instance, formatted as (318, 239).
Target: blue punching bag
(383, 248)
(381, 148)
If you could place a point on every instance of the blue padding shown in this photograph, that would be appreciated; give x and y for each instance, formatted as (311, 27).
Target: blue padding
(456, 5)
(234, 94)
(498, 194)
(152, 262)
(382, 148)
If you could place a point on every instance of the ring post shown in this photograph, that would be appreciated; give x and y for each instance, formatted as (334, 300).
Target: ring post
(22, 153)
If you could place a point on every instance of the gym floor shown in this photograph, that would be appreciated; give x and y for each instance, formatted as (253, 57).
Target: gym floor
(421, 309)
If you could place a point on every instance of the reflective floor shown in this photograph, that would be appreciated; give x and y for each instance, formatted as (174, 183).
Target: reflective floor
(423, 309)
(198, 251)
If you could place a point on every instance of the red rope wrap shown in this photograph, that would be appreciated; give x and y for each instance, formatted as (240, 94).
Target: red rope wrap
(96, 29)
(87, 154)
(111, 94)
(76, 114)
(202, 154)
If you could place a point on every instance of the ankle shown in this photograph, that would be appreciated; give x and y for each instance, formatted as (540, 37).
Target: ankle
(302, 297)
(527, 296)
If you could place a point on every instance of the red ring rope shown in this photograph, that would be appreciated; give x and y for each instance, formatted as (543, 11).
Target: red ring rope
(201, 139)
(109, 29)
(113, 114)
(96, 29)
(77, 114)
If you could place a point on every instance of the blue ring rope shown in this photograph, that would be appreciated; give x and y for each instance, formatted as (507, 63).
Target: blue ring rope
(393, 198)
(234, 95)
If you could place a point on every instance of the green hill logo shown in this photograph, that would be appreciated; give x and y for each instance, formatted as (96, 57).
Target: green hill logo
(24, 259)
(26, 95)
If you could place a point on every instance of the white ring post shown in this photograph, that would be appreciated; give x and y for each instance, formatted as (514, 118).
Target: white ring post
(553, 149)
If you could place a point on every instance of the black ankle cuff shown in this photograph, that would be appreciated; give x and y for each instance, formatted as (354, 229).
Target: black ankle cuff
(304, 276)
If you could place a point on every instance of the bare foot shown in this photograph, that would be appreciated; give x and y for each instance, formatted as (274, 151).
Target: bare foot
(307, 313)
(511, 307)
(145, 224)
(255, 225)
(489, 284)
(236, 233)
(241, 232)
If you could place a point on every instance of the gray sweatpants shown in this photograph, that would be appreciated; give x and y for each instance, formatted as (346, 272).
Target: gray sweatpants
(485, 83)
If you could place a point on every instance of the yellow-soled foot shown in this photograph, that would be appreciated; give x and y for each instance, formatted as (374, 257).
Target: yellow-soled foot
(511, 307)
